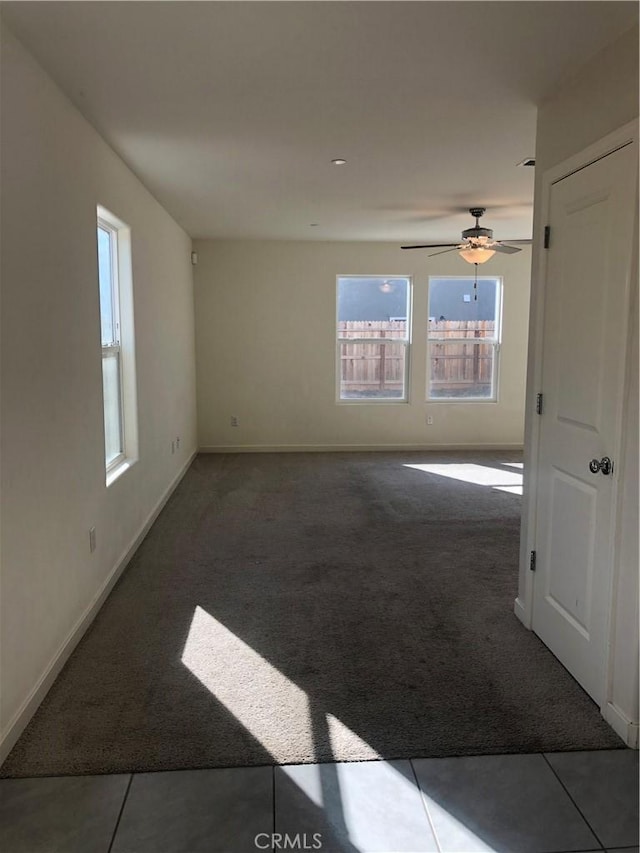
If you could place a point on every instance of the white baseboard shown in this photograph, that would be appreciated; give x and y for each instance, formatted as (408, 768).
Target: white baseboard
(349, 448)
(21, 718)
(521, 613)
(622, 725)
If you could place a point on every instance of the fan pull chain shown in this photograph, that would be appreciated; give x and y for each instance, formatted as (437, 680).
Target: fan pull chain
(475, 284)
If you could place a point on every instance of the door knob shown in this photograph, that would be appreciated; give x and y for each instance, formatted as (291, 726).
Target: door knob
(605, 465)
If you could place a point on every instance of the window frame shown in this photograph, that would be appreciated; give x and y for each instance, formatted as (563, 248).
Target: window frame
(122, 345)
(405, 342)
(114, 349)
(495, 341)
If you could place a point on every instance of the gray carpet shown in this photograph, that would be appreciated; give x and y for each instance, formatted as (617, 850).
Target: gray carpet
(311, 607)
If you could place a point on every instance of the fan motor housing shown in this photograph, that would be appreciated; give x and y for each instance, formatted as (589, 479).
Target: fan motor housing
(477, 232)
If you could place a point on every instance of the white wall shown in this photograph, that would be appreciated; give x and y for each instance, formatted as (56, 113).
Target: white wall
(597, 100)
(55, 170)
(265, 344)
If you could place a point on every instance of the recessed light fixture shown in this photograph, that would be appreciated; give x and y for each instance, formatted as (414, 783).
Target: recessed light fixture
(339, 162)
(528, 161)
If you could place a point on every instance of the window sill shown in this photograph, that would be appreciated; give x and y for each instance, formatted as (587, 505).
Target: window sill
(475, 400)
(114, 473)
(372, 402)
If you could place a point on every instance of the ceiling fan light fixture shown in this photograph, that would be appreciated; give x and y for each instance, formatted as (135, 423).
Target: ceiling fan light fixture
(476, 246)
(476, 254)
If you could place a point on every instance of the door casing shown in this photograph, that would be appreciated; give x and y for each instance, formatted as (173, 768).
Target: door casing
(627, 729)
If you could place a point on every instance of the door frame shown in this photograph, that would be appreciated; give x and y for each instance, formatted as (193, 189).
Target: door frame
(523, 607)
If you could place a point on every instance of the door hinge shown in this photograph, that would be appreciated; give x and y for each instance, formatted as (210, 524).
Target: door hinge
(539, 403)
(547, 236)
(532, 561)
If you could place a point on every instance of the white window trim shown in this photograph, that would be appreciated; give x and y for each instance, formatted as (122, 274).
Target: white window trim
(123, 347)
(496, 341)
(405, 342)
(113, 351)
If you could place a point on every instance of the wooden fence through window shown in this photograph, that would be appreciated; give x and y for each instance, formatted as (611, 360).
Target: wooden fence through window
(377, 368)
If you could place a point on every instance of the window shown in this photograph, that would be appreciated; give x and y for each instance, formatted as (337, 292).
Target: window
(116, 325)
(463, 338)
(373, 333)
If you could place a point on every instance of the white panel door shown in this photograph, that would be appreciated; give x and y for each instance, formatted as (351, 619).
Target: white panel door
(591, 217)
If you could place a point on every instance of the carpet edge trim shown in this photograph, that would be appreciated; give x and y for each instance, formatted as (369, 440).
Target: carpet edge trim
(20, 720)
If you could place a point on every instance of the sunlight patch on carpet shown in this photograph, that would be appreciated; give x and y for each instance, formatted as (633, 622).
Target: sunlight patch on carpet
(273, 709)
(477, 475)
(344, 740)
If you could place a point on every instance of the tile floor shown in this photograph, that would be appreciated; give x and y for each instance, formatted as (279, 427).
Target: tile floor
(551, 803)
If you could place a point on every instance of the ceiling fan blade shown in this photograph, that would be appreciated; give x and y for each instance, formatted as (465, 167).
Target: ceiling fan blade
(444, 251)
(524, 242)
(505, 250)
(430, 246)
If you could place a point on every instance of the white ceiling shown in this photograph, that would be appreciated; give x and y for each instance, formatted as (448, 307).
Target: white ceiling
(230, 112)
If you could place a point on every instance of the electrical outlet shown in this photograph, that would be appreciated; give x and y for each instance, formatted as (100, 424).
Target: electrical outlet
(429, 420)
(173, 447)
(92, 539)
(234, 421)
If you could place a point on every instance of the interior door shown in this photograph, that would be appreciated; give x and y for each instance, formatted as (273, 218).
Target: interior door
(591, 219)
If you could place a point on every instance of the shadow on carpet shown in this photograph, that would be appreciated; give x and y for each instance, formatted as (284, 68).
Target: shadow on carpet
(291, 608)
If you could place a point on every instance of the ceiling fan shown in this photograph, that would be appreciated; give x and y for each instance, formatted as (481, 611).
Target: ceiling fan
(477, 244)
